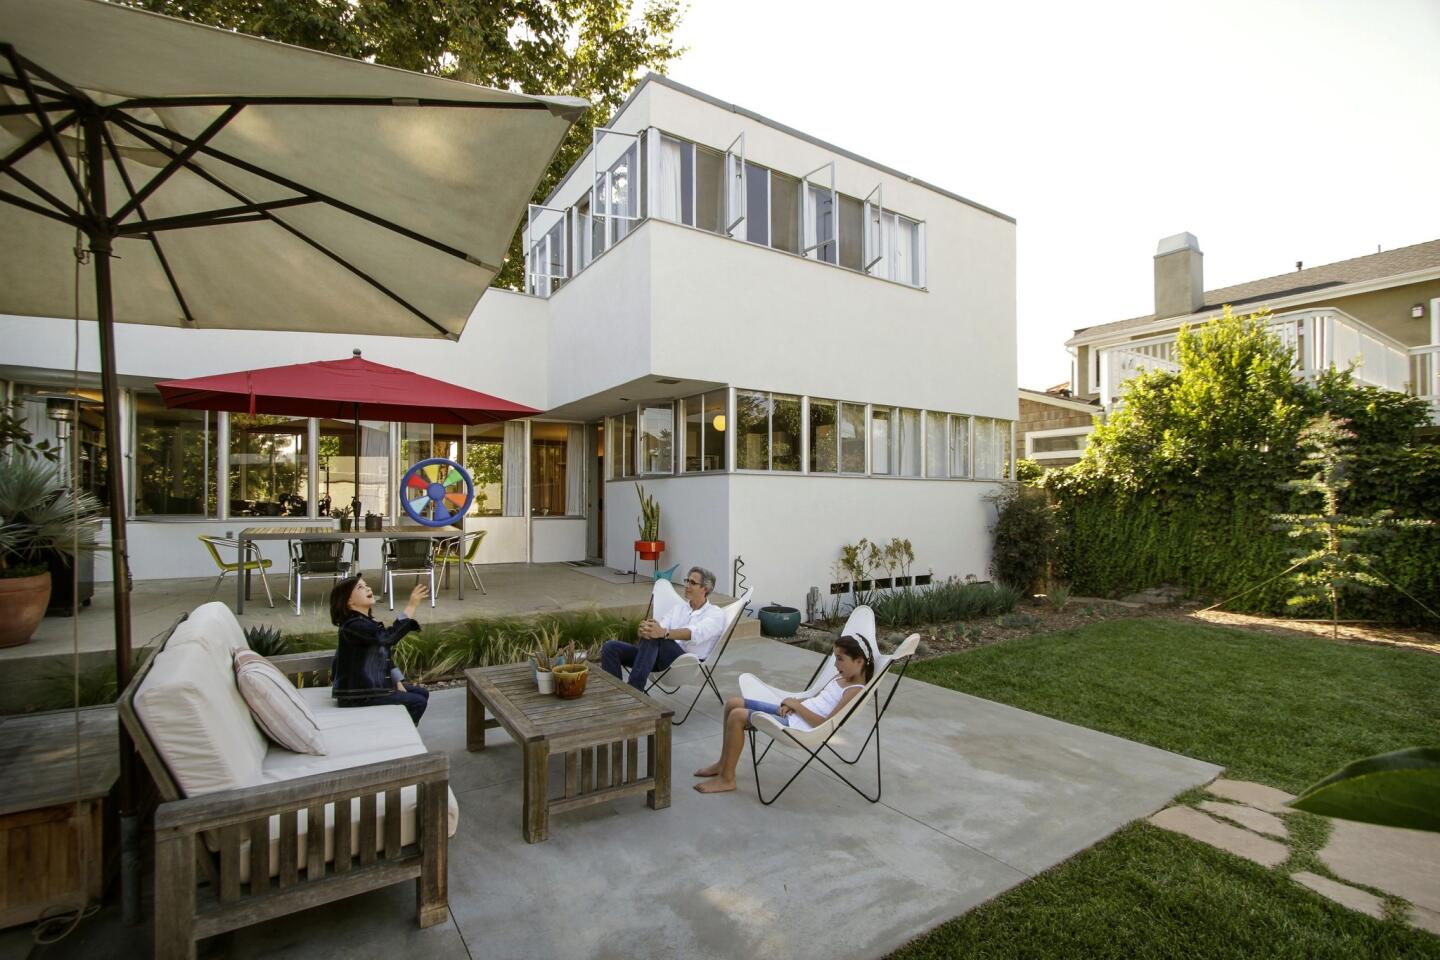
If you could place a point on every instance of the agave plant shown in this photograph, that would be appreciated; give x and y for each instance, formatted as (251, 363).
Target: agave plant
(38, 514)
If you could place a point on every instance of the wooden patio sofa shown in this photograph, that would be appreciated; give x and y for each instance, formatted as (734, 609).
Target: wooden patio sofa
(228, 855)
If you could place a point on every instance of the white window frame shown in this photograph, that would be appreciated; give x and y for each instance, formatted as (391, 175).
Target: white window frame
(606, 177)
(1031, 454)
(735, 192)
(874, 231)
(810, 243)
(538, 279)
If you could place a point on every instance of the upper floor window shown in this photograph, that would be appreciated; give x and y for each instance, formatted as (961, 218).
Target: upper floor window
(992, 448)
(895, 441)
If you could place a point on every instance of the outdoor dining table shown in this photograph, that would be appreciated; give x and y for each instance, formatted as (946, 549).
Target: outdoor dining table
(330, 533)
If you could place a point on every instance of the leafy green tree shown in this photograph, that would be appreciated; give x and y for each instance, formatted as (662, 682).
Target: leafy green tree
(596, 49)
(1232, 411)
(1331, 558)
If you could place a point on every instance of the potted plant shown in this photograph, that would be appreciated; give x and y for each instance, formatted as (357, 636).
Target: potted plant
(374, 521)
(546, 657)
(649, 546)
(38, 514)
(343, 515)
(571, 675)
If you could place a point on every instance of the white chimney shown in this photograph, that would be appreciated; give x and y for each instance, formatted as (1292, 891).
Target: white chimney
(1179, 283)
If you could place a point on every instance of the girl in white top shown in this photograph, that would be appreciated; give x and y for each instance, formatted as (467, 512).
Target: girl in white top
(854, 664)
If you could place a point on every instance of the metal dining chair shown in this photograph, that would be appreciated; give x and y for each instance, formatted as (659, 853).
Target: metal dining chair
(409, 556)
(449, 556)
(316, 560)
(251, 561)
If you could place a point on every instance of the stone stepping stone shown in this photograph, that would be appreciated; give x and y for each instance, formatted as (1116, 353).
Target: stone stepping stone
(1405, 863)
(1346, 896)
(1257, 820)
(1254, 794)
(1199, 826)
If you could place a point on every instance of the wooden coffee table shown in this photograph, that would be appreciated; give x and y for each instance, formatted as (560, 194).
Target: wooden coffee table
(598, 733)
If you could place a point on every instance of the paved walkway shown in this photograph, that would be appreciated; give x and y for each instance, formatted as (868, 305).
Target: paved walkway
(1375, 870)
(978, 798)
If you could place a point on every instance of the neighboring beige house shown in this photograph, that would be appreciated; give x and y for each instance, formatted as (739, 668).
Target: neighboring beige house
(1053, 426)
(1381, 312)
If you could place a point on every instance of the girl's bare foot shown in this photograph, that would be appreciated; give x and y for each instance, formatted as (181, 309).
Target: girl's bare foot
(711, 771)
(718, 786)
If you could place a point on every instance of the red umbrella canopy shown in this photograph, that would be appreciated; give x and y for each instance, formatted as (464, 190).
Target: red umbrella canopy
(341, 389)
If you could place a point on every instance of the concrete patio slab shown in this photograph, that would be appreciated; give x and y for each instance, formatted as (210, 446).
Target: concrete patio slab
(978, 797)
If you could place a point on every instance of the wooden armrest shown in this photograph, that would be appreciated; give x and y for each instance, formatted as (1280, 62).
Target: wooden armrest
(244, 804)
(293, 663)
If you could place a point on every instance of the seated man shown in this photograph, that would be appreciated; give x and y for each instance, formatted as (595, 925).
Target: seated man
(692, 628)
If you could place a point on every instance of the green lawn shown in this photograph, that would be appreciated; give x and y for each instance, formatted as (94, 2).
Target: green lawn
(1284, 711)
(1277, 710)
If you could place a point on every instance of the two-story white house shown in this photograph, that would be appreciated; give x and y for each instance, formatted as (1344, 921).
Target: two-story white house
(790, 346)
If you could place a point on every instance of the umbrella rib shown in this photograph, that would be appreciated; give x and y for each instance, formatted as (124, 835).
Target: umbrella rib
(170, 277)
(26, 148)
(156, 103)
(43, 117)
(177, 162)
(306, 191)
(242, 214)
(40, 191)
(71, 220)
(131, 124)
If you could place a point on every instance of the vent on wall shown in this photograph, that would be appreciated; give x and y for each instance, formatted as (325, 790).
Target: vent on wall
(666, 380)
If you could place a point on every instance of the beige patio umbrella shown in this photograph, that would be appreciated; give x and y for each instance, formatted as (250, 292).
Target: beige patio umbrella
(244, 184)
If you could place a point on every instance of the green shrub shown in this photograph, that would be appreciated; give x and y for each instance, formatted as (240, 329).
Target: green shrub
(1027, 537)
(943, 603)
(1181, 485)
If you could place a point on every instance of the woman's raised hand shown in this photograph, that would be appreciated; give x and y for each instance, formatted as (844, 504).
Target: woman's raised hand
(417, 597)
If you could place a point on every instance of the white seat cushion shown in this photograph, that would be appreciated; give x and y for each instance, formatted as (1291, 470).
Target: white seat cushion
(354, 737)
(198, 721)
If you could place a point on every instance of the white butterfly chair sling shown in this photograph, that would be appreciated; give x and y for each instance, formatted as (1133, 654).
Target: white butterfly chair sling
(863, 713)
(687, 668)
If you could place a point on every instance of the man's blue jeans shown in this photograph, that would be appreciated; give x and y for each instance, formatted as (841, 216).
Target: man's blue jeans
(641, 657)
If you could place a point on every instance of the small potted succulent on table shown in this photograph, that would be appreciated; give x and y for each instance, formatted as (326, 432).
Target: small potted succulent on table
(374, 522)
(545, 658)
(343, 515)
(649, 546)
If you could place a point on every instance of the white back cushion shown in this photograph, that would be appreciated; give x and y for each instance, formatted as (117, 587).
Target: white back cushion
(214, 628)
(198, 721)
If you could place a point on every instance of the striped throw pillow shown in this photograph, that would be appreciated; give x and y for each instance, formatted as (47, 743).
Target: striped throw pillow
(276, 705)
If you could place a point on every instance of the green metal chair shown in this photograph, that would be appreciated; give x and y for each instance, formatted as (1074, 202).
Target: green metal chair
(252, 561)
(449, 556)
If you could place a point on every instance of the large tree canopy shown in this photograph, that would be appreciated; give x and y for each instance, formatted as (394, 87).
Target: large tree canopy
(596, 49)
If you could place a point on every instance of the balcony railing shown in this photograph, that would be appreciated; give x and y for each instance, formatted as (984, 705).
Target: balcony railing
(1319, 339)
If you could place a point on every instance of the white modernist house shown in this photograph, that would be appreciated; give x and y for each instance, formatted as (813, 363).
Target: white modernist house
(790, 346)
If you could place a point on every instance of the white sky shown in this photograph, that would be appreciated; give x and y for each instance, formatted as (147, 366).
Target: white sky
(1273, 130)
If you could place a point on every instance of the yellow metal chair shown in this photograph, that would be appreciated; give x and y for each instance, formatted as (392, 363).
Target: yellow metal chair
(251, 561)
(449, 556)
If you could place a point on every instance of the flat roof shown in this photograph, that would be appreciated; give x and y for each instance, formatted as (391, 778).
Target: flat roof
(791, 131)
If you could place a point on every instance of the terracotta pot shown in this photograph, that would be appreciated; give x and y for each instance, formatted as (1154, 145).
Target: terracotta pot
(22, 606)
(649, 549)
(570, 680)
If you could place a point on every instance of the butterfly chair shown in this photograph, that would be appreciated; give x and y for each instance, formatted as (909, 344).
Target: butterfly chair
(859, 718)
(666, 574)
(687, 668)
(409, 557)
(251, 561)
(316, 560)
(449, 556)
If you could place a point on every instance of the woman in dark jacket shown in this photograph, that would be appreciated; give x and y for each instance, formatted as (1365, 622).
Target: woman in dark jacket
(362, 673)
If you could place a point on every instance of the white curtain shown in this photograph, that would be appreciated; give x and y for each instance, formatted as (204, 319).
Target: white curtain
(514, 458)
(668, 181)
(987, 465)
(575, 471)
(899, 249)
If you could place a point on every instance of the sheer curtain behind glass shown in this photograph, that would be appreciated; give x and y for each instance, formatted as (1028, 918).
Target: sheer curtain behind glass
(668, 180)
(514, 457)
(575, 471)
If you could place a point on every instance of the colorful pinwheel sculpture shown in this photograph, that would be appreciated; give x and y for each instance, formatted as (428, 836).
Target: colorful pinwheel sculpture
(436, 492)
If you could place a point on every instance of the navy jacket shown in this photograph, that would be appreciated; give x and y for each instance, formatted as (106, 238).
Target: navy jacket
(361, 667)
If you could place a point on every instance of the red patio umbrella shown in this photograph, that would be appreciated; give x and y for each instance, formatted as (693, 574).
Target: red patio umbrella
(354, 389)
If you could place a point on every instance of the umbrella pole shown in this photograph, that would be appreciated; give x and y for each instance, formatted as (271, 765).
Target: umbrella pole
(100, 233)
(355, 500)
